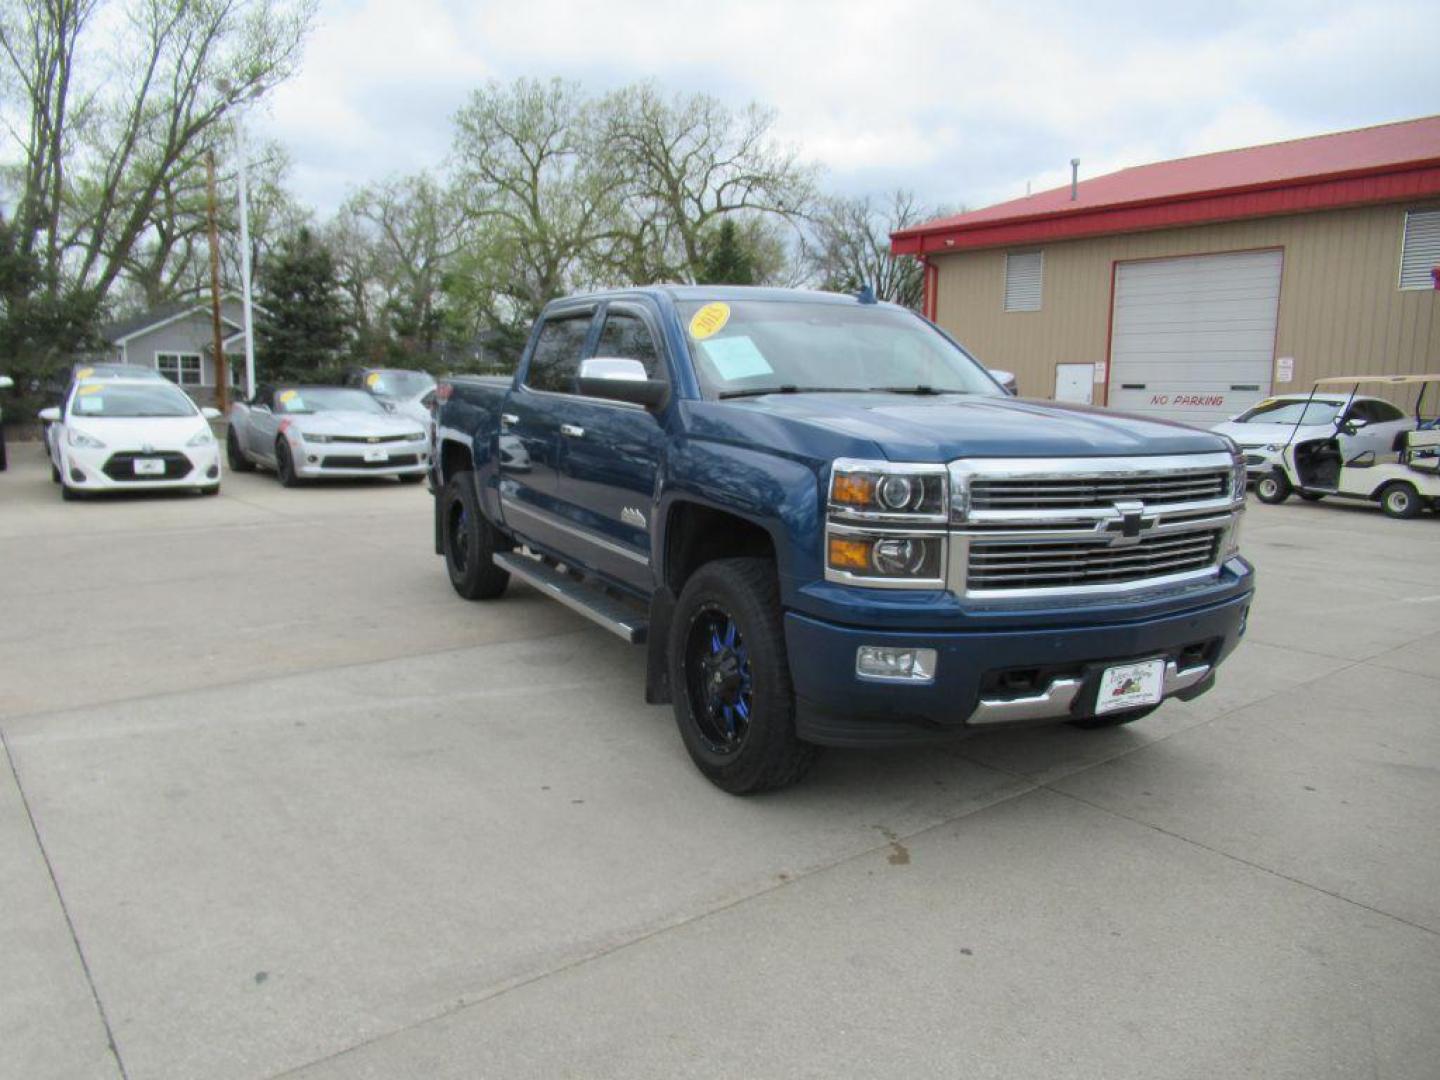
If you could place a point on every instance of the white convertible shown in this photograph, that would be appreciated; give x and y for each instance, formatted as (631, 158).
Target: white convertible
(124, 434)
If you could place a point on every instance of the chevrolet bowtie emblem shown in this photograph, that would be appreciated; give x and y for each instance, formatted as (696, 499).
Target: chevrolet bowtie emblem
(1129, 524)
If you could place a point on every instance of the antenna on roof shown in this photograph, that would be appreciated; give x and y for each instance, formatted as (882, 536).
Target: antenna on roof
(1074, 177)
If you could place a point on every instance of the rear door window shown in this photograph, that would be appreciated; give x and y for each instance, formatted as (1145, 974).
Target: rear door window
(556, 360)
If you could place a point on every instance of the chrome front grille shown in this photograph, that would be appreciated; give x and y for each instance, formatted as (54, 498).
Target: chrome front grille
(1064, 492)
(1021, 527)
(1070, 563)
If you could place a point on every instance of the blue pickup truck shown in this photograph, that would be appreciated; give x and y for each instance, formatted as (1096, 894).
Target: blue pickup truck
(829, 525)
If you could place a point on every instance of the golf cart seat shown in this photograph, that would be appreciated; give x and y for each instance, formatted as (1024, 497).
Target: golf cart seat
(1422, 449)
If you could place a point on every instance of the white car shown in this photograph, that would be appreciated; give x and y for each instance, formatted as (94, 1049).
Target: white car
(1263, 430)
(5, 384)
(140, 434)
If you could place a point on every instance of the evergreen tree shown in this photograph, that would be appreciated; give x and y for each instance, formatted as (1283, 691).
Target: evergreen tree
(302, 329)
(727, 261)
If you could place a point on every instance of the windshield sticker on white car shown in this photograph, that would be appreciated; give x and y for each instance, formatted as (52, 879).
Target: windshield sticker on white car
(90, 404)
(736, 358)
(84, 373)
(90, 388)
(709, 320)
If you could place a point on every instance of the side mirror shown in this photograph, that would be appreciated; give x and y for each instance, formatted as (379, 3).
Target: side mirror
(6, 382)
(50, 414)
(619, 379)
(210, 414)
(1006, 379)
(1351, 426)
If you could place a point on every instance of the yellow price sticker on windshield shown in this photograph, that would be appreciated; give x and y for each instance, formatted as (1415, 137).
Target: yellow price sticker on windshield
(90, 388)
(287, 396)
(372, 378)
(84, 373)
(709, 320)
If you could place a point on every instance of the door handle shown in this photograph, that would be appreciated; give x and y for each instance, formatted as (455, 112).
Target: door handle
(573, 431)
(508, 418)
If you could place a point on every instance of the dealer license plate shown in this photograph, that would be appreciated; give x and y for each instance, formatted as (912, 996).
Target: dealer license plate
(377, 455)
(149, 466)
(1129, 686)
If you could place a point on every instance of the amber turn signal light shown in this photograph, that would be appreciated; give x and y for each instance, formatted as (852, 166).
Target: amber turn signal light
(853, 489)
(848, 554)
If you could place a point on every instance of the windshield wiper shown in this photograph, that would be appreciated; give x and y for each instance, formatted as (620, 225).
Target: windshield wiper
(922, 390)
(789, 388)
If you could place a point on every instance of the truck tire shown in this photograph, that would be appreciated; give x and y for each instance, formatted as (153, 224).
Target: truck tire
(1273, 488)
(733, 699)
(234, 455)
(1401, 500)
(470, 541)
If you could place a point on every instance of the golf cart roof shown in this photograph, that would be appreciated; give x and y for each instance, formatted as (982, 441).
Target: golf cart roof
(1386, 380)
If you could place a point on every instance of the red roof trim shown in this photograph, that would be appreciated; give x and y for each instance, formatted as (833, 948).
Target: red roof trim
(1354, 188)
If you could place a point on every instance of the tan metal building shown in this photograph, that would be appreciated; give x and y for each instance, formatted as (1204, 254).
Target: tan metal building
(1191, 289)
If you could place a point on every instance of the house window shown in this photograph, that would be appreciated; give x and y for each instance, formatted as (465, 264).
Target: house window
(182, 368)
(1420, 252)
(1023, 271)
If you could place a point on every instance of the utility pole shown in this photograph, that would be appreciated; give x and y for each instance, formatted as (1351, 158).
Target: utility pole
(222, 369)
(242, 152)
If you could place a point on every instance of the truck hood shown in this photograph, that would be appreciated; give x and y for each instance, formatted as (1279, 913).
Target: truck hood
(947, 426)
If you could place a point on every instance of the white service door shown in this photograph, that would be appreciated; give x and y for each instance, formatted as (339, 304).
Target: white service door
(1193, 338)
(1075, 382)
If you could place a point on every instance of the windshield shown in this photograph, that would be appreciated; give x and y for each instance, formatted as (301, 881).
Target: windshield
(399, 384)
(304, 400)
(1289, 411)
(111, 399)
(760, 346)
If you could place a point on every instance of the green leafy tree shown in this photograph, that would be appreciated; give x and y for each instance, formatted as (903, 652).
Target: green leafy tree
(302, 331)
(727, 261)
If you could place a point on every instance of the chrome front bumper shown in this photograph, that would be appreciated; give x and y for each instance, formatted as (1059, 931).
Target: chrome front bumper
(1058, 698)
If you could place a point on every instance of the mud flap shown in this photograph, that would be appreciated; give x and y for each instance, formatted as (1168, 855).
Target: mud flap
(657, 667)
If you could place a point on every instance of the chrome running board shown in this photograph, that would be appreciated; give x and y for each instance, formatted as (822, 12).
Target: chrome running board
(620, 618)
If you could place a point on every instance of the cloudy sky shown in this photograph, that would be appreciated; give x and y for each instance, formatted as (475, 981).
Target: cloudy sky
(962, 101)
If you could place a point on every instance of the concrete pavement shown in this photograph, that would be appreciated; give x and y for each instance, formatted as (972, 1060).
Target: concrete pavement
(276, 802)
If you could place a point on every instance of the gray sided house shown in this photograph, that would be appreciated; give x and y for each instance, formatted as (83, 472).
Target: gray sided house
(177, 340)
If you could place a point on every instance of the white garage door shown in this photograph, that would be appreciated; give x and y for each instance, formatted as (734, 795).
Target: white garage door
(1193, 338)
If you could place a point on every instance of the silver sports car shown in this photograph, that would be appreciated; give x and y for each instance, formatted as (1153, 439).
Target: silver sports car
(312, 432)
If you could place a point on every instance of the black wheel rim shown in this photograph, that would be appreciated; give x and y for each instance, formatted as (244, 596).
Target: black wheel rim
(719, 682)
(459, 538)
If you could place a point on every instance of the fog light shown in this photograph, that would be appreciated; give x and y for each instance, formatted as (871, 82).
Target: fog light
(77, 475)
(312, 459)
(212, 472)
(895, 664)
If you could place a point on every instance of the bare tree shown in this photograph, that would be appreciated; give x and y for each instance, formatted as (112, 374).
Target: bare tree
(539, 190)
(112, 134)
(850, 246)
(688, 161)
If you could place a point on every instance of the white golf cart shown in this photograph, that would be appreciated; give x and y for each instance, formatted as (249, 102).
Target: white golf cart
(1404, 481)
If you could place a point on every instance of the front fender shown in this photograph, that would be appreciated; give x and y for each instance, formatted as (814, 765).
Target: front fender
(779, 494)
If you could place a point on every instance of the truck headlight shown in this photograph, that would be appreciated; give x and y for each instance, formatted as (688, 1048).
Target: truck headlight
(883, 491)
(885, 524)
(886, 558)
